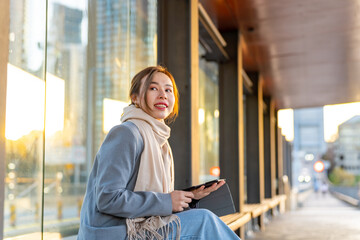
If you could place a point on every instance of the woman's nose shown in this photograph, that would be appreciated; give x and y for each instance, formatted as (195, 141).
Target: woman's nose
(162, 94)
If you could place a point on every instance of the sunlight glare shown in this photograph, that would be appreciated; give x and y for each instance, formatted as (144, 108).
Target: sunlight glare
(286, 123)
(55, 104)
(25, 103)
(112, 112)
(334, 115)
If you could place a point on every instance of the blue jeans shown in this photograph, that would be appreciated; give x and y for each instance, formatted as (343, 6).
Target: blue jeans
(201, 224)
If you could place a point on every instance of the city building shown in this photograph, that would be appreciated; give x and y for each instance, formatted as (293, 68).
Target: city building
(347, 146)
(308, 145)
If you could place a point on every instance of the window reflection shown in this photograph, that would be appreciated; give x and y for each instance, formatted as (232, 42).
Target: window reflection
(24, 126)
(93, 49)
(66, 118)
(208, 118)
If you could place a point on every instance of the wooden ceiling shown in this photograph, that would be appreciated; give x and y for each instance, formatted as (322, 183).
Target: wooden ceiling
(307, 51)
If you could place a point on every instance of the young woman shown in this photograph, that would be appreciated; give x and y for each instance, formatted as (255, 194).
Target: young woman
(130, 192)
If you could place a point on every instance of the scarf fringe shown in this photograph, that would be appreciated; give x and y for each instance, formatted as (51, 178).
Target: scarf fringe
(146, 228)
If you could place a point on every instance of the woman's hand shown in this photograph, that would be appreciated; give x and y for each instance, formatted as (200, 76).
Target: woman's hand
(180, 200)
(203, 192)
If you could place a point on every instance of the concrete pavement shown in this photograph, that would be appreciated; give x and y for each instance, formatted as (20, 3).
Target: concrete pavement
(321, 218)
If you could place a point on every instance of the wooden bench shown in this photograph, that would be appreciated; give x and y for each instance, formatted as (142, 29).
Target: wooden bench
(251, 211)
(271, 202)
(256, 209)
(278, 200)
(281, 199)
(236, 220)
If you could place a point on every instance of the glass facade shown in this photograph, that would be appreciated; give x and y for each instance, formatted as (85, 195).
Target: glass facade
(208, 118)
(69, 71)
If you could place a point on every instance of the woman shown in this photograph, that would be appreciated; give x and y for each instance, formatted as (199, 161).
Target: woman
(130, 192)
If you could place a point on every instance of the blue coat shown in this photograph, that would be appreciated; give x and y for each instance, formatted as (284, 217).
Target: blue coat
(109, 197)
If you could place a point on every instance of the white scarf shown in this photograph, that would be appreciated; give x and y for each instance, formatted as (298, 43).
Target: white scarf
(156, 173)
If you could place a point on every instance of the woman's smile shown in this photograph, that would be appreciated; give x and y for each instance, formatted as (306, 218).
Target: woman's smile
(160, 97)
(161, 106)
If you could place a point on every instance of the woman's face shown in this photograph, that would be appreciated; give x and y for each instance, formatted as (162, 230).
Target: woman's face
(160, 97)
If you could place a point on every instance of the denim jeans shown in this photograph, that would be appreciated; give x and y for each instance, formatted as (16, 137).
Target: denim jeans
(201, 224)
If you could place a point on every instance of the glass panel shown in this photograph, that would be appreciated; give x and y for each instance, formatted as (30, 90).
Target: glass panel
(94, 48)
(66, 118)
(143, 32)
(208, 118)
(25, 103)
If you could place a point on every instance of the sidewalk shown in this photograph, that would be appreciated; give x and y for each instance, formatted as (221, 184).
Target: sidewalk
(321, 218)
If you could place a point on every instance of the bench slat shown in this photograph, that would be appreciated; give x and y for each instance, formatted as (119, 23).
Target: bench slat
(256, 209)
(236, 220)
(240, 221)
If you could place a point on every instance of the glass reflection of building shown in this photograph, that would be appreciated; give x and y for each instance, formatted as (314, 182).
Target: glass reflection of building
(125, 34)
(66, 60)
(65, 127)
(88, 72)
(26, 45)
(24, 116)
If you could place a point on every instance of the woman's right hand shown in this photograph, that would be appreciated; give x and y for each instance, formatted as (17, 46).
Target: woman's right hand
(180, 200)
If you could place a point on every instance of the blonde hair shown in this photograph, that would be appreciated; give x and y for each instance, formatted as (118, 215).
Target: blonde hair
(148, 72)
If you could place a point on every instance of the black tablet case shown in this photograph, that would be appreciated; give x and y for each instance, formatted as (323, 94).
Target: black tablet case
(219, 202)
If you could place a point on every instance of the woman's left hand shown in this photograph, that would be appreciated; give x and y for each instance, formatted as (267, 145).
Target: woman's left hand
(203, 192)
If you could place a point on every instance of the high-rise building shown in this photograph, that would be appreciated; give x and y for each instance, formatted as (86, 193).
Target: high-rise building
(347, 146)
(27, 42)
(117, 59)
(66, 60)
(309, 143)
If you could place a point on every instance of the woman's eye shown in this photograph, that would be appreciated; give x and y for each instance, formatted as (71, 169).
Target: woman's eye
(153, 88)
(168, 90)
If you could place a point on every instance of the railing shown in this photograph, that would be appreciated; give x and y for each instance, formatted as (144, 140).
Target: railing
(350, 195)
(62, 204)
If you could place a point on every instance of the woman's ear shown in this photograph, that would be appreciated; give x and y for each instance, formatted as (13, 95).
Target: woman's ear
(134, 99)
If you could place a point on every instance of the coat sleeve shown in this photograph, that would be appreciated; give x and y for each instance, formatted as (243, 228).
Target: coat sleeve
(116, 162)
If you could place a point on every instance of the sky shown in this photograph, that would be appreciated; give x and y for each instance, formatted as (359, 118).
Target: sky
(334, 115)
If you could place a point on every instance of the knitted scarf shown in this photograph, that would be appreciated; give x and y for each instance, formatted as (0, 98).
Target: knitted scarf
(156, 173)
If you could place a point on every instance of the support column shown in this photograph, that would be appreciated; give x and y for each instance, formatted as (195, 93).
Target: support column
(273, 147)
(261, 149)
(229, 117)
(255, 145)
(241, 135)
(4, 54)
(252, 144)
(232, 120)
(288, 160)
(287, 172)
(280, 161)
(267, 149)
(178, 51)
